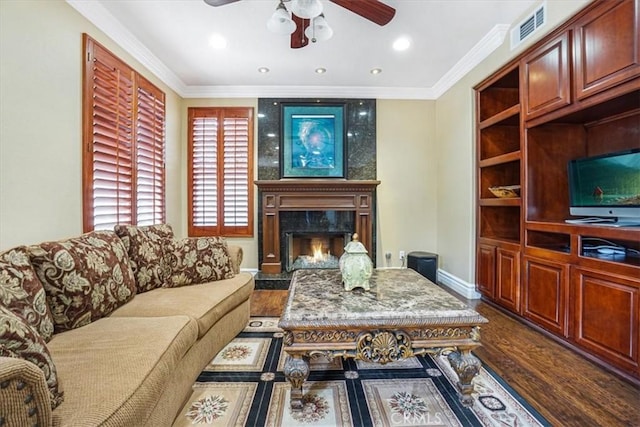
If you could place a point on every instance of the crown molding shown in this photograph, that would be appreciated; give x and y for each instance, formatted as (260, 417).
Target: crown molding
(107, 23)
(478, 53)
(307, 92)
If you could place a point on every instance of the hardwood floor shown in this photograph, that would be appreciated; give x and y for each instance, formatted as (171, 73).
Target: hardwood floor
(567, 389)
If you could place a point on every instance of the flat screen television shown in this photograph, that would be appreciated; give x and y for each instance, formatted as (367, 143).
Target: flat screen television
(606, 188)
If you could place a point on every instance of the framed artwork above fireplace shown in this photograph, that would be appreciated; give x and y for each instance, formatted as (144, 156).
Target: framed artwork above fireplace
(312, 144)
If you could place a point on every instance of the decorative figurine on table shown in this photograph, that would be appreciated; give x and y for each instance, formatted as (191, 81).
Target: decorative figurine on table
(355, 265)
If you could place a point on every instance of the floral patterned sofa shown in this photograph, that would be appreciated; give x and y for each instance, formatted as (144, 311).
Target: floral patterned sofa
(113, 327)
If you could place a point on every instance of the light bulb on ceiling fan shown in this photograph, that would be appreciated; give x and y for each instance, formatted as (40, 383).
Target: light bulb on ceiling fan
(306, 9)
(319, 30)
(281, 22)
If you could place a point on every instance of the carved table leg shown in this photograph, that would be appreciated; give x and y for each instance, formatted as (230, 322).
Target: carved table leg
(467, 367)
(296, 371)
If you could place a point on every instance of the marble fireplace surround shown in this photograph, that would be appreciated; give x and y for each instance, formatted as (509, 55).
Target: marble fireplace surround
(313, 195)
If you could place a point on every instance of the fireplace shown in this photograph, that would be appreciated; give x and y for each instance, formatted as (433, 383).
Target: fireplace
(297, 211)
(314, 250)
(314, 239)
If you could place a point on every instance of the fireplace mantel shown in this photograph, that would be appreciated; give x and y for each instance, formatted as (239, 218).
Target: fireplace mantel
(312, 194)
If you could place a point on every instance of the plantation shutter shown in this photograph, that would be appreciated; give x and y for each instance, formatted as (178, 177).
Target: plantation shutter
(108, 168)
(204, 173)
(123, 140)
(236, 174)
(150, 184)
(220, 169)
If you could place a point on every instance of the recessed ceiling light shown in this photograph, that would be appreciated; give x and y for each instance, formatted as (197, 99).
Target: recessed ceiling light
(261, 115)
(376, 70)
(362, 113)
(321, 70)
(401, 43)
(217, 41)
(271, 135)
(263, 70)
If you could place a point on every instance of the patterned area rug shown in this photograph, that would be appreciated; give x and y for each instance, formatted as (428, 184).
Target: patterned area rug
(244, 386)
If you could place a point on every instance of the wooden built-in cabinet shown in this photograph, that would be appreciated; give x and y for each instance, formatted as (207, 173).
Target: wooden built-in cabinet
(606, 48)
(545, 77)
(605, 315)
(486, 255)
(546, 289)
(575, 93)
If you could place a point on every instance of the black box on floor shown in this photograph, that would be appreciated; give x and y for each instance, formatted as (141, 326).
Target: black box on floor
(424, 263)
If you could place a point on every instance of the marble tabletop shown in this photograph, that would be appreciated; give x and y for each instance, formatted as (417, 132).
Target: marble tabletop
(398, 297)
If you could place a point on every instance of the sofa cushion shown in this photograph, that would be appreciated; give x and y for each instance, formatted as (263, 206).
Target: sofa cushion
(147, 247)
(22, 292)
(199, 260)
(206, 303)
(85, 278)
(20, 340)
(115, 369)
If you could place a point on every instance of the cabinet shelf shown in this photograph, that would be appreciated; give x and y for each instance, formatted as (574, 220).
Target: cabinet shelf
(513, 201)
(600, 231)
(497, 160)
(510, 116)
(500, 242)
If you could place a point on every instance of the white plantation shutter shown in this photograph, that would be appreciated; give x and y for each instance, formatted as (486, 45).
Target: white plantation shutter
(150, 183)
(204, 163)
(236, 172)
(123, 139)
(220, 169)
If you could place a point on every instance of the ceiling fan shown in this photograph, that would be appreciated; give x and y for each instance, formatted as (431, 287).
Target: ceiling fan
(373, 10)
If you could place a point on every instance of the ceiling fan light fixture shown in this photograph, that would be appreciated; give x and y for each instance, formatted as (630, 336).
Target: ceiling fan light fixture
(281, 22)
(306, 9)
(319, 30)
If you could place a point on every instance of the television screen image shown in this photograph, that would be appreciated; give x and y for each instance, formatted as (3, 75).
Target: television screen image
(607, 185)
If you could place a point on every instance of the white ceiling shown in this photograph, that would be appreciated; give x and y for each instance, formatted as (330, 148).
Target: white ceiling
(171, 38)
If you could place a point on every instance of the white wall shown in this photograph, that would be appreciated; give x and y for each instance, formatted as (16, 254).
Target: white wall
(407, 170)
(41, 122)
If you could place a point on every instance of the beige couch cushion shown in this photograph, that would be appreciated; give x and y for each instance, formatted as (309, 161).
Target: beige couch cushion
(205, 302)
(115, 369)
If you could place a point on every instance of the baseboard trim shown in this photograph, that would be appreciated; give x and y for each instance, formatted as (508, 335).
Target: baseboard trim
(467, 290)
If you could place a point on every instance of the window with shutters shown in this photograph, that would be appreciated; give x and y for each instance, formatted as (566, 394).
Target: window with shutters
(220, 170)
(123, 140)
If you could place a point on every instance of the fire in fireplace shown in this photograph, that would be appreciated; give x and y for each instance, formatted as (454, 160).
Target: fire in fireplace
(314, 250)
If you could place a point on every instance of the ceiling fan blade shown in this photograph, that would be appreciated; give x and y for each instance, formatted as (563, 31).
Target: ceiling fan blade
(373, 10)
(298, 38)
(216, 3)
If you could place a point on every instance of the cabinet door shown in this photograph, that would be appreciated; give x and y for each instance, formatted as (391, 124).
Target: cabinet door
(545, 289)
(606, 317)
(606, 48)
(485, 269)
(546, 77)
(508, 279)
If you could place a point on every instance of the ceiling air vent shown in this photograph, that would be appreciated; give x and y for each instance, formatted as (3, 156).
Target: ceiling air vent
(528, 26)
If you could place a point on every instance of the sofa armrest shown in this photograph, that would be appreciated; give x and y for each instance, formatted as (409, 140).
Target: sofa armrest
(236, 254)
(24, 396)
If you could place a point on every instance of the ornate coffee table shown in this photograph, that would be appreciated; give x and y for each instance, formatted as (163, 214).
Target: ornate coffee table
(403, 315)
